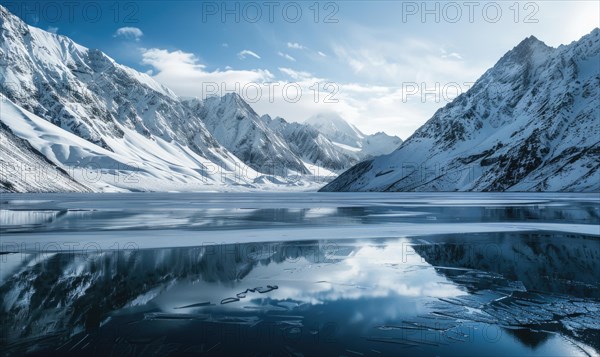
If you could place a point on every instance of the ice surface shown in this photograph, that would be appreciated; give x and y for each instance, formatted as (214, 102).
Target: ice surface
(500, 274)
(180, 220)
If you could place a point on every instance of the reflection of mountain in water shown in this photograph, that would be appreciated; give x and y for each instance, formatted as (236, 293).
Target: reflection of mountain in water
(524, 282)
(63, 220)
(529, 338)
(70, 293)
(553, 263)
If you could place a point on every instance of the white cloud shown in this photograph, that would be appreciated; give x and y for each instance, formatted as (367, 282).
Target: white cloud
(130, 33)
(52, 29)
(321, 54)
(385, 62)
(186, 76)
(578, 18)
(295, 75)
(243, 54)
(181, 72)
(451, 55)
(286, 56)
(295, 45)
(385, 71)
(372, 107)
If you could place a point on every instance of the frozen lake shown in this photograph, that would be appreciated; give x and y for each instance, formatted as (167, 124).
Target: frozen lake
(382, 274)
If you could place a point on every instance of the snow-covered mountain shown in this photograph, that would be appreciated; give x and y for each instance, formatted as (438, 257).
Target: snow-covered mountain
(270, 146)
(116, 122)
(311, 145)
(237, 127)
(336, 129)
(130, 120)
(133, 163)
(349, 138)
(25, 169)
(530, 123)
(87, 93)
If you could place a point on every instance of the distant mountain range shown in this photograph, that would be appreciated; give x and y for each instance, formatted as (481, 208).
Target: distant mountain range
(351, 139)
(530, 123)
(113, 128)
(72, 119)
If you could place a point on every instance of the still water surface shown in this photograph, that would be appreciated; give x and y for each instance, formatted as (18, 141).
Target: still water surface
(300, 274)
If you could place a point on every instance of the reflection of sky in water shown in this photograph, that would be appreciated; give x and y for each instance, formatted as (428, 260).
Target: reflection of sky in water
(365, 272)
(381, 295)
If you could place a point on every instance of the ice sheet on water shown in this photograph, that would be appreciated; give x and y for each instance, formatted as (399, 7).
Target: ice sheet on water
(419, 293)
(200, 304)
(243, 294)
(520, 308)
(172, 220)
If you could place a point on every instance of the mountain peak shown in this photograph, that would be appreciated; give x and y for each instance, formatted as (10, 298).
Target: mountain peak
(329, 117)
(531, 39)
(530, 43)
(236, 99)
(232, 96)
(528, 124)
(231, 101)
(4, 11)
(528, 50)
(333, 122)
(8, 21)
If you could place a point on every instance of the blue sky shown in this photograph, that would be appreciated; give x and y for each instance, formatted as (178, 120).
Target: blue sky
(372, 62)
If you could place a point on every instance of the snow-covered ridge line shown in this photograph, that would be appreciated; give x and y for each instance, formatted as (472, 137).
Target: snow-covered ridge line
(530, 123)
(349, 138)
(49, 158)
(114, 119)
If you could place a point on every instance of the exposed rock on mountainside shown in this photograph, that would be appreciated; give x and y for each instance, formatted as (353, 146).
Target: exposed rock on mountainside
(530, 123)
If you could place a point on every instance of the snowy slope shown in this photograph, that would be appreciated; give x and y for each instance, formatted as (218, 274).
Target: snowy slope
(87, 166)
(24, 169)
(114, 107)
(350, 139)
(268, 145)
(238, 128)
(312, 146)
(530, 123)
(127, 167)
(146, 126)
